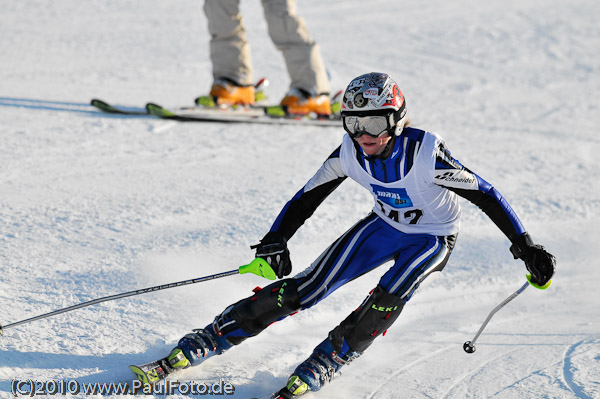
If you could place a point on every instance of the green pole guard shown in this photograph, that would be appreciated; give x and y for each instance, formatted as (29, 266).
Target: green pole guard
(260, 267)
(539, 287)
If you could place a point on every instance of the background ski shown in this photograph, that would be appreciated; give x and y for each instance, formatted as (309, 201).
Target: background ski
(112, 109)
(239, 115)
(199, 102)
(201, 112)
(254, 114)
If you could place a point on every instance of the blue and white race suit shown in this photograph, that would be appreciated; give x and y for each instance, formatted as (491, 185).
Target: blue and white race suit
(414, 223)
(415, 218)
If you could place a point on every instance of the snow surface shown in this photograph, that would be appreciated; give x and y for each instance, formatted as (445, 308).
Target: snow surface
(92, 205)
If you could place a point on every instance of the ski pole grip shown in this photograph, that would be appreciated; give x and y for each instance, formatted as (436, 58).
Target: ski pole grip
(539, 287)
(260, 267)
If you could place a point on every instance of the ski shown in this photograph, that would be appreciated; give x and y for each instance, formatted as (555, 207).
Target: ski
(294, 389)
(205, 110)
(238, 115)
(112, 109)
(201, 101)
(158, 370)
(280, 395)
(152, 372)
(273, 115)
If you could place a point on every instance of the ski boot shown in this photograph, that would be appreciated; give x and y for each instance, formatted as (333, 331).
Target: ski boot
(317, 370)
(201, 344)
(301, 102)
(226, 92)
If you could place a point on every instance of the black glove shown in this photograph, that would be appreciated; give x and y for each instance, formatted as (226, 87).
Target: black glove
(538, 261)
(273, 249)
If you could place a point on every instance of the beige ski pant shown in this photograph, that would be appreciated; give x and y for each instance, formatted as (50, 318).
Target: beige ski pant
(230, 51)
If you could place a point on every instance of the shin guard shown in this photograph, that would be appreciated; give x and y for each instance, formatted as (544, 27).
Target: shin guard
(250, 316)
(376, 314)
(241, 320)
(350, 339)
(270, 304)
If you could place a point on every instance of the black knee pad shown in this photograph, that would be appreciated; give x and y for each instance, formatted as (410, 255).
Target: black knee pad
(269, 305)
(376, 314)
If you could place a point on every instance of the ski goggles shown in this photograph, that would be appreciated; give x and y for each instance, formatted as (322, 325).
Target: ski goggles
(371, 125)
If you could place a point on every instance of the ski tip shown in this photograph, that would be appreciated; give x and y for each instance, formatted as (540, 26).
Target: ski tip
(1, 330)
(96, 102)
(104, 106)
(111, 109)
(139, 374)
(152, 106)
(158, 110)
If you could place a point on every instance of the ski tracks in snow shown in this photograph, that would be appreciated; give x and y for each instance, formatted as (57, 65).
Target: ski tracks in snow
(472, 373)
(394, 375)
(572, 368)
(591, 366)
(577, 371)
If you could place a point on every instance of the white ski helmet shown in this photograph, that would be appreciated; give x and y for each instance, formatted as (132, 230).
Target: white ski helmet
(374, 94)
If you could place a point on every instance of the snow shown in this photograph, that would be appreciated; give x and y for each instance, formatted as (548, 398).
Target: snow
(93, 205)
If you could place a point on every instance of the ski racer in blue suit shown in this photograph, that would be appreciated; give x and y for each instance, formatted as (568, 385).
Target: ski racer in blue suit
(415, 183)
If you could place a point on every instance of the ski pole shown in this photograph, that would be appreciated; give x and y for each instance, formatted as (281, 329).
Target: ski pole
(258, 266)
(469, 346)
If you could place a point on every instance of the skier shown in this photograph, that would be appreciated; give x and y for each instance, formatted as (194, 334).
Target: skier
(232, 65)
(414, 181)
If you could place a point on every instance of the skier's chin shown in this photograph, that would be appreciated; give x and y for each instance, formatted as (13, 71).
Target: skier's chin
(373, 148)
(370, 149)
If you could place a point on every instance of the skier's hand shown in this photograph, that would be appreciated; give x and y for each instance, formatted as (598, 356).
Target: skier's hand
(540, 263)
(273, 249)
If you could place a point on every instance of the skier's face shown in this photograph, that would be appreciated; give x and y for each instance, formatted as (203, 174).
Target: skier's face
(373, 145)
